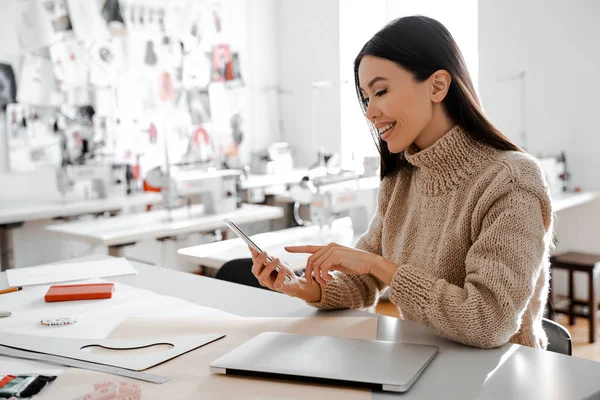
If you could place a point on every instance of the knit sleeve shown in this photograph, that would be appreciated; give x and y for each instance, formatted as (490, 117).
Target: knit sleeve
(359, 291)
(502, 267)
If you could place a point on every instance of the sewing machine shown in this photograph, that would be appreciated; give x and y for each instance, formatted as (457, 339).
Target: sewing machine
(329, 197)
(218, 190)
(102, 180)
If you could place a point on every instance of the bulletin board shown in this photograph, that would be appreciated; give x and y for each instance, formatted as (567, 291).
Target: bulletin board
(159, 76)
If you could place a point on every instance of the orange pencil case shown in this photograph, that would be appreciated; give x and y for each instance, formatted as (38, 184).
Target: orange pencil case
(86, 291)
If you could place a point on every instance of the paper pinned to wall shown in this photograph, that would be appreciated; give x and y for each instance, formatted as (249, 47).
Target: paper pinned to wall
(87, 21)
(53, 273)
(228, 105)
(35, 26)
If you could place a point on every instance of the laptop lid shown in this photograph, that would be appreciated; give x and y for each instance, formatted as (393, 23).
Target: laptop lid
(383, 365)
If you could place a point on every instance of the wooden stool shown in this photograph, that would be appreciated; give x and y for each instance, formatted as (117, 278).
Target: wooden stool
(583, 262)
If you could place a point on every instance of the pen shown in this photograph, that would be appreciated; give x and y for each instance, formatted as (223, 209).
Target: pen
(11, 289)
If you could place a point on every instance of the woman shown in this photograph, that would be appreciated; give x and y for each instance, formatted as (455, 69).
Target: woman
(462, 230)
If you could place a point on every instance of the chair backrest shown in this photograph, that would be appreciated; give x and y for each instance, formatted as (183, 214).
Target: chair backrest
(559, 338)
(238, 271)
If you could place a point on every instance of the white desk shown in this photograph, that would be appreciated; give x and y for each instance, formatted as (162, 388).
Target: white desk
(214, 255)
(14, 213)
(568, 200)
(22, 211)
(458, 372)
(117, 232)
(257, 181)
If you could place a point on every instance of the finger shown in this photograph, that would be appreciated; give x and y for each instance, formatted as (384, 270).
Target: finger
(254, 252)
(326, 268)
(280, 281)
(303, 249)
(316, 265)
(258, 264)
(310, 264)
(264, 276)
(331, 263)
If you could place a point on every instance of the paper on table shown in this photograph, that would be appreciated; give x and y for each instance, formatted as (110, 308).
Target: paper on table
(190, 375)
(53, 273)
(97, 318)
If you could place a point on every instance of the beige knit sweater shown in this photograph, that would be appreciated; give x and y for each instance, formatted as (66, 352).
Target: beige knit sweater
(469, 228)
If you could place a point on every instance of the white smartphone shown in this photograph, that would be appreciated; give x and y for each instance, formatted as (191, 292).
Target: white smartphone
(250, 243)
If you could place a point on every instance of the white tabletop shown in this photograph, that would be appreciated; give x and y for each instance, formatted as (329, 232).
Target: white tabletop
(457, 372)
(30, 210)
(214, 255)
(572, 199)
(157, 224)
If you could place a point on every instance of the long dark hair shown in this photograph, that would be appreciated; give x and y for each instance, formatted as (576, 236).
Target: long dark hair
(422, 46)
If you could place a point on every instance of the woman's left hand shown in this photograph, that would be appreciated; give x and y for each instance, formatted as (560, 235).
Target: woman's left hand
(334, 257)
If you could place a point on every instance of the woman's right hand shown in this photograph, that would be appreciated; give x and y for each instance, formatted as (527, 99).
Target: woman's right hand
(275, 280)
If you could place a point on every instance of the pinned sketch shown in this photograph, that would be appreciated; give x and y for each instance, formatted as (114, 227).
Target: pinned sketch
(111, 11)
(8, 86)
(196, 70)
(34, 25)
(31, 142)
(228, 110)
(106, 62)
(201, 147)
(59, 15)
(199, 105)
(70, 68)
(87, 21)
(16, 126)
(37, 84)
(222, 63)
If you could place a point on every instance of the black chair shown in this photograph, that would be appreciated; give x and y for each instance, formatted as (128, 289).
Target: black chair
(559, 338)
(238, 271)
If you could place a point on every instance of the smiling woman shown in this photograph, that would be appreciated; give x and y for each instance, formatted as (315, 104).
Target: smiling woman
(426, 87)
(463, 226)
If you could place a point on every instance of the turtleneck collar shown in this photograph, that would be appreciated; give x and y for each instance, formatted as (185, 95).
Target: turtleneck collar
(446, 163)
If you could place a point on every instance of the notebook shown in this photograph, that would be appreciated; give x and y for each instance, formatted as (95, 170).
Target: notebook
(84, 291)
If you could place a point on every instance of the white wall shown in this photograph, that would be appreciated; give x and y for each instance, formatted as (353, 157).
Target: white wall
(359, 21)
(253, 31)
(308, 51)
(459, 17)
(556, 43)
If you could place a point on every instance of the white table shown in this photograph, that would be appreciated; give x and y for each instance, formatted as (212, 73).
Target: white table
(117, 232)
(214, 255)
(458, 372)
(257, 181)
(572, 199)
(14, 213)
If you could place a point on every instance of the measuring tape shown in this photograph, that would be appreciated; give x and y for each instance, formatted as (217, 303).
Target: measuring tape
(71, 362)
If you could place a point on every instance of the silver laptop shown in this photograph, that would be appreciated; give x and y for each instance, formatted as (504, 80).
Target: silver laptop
(382, 365)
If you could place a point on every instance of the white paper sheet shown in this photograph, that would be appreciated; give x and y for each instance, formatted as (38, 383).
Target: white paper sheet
(97, 318)
(53, 273)
(87, 21)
